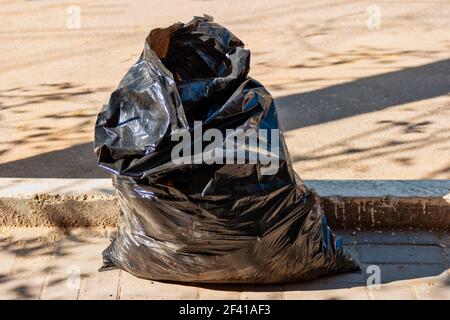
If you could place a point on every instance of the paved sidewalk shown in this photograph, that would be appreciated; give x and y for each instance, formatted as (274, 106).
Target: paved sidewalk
(46, 264)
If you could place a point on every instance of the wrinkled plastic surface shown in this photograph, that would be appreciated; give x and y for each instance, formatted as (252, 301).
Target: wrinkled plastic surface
(224, 223)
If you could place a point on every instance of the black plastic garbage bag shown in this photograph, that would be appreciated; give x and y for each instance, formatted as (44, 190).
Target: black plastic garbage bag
(247, 221)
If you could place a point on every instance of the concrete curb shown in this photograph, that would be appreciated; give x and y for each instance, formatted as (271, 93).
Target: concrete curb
(349, 204)
(385, 204)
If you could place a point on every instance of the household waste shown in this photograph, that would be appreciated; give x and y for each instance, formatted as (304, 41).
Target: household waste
(193, 221)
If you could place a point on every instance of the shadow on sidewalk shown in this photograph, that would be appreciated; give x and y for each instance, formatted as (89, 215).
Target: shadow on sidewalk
(364, 95)
(295, 111)
(25, 277)
(75, 162)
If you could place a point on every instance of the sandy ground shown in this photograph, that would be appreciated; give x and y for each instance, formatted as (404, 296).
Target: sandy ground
(355, 103)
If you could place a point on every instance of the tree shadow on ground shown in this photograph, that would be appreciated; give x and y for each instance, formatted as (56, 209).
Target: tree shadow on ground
(295, 111)
(25, 280)
(78, 161)
(364, 95)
